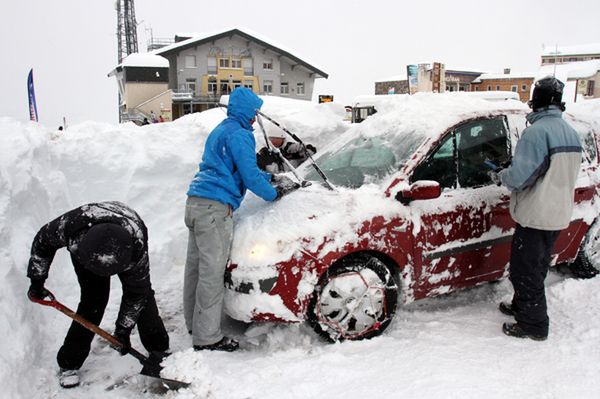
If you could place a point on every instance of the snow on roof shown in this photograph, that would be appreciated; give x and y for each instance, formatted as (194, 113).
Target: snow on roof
(490, 76)
(145, 60)
(272, 43)
(570, 70)
(580, 49)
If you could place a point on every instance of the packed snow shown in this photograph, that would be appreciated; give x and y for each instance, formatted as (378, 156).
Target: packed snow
(449, 346)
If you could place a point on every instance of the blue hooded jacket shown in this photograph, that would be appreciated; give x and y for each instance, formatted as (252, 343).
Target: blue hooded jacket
(228, 164)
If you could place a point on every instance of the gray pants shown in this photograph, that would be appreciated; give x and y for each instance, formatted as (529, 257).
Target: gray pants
(210, 234)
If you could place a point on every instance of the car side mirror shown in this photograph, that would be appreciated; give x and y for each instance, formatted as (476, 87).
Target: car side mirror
(419, 190)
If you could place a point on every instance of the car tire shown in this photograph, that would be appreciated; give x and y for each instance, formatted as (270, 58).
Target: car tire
(587, 263)
(355, 299)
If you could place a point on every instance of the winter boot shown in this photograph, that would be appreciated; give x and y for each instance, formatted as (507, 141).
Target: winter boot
(226, 344)
(515, 330)
(68, 378)
(506, 308)
(155, 358)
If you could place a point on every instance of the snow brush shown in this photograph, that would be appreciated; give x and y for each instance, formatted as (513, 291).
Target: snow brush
(303, 183)
(297, 139)
(150, 369)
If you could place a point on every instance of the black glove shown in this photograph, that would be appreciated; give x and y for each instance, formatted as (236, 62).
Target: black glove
(311, 148)
(123, 336)
(284, 185)
(37, 290)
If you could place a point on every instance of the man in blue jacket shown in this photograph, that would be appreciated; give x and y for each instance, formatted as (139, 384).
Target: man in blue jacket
(542, 179)
(227, 170)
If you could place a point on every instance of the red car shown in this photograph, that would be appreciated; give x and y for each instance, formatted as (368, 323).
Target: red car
(414, 215)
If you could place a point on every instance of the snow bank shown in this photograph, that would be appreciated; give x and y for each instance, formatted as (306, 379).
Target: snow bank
(44, 173)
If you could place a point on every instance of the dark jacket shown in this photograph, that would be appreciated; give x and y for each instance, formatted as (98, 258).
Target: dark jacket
(228, 164)
(67, 230)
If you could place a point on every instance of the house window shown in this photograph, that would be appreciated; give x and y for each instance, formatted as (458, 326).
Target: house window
(248, 68)
(268, 64)
(190, 86)
(236, 83)
(224, 86)
(212, 86)
(300, 89)
(285, 88)
(190, 61)
(514, 88)
(476, 88)
(236, 63)
(268, 86)
(497, 87)
(489, 88)
(223, 62)
(590, 88)
(249, 84)
(523, 87)
(212, 65)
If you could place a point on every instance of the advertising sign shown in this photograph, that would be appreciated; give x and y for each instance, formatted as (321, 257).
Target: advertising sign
(325, 98)
(411, 75)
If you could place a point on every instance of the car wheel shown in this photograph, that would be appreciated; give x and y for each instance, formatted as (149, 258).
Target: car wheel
(587, 263)
(355, 299)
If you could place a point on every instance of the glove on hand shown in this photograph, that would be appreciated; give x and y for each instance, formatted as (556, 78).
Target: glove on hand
(311, 148)
(284, 185)
(124, 339)
(495, 177)
(37, 290)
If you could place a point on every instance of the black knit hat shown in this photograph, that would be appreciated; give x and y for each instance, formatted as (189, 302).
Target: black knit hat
(105, 249)
(547, 91)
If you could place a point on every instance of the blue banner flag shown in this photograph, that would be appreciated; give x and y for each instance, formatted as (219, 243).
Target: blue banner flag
(33, 115)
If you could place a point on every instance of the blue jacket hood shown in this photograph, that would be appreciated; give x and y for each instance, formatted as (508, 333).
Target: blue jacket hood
(243, 104)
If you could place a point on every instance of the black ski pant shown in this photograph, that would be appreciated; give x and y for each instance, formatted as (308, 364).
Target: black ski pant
(529, 262)
(95, 291)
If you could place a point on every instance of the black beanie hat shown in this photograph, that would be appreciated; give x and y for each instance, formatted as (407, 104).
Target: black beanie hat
(105, 249)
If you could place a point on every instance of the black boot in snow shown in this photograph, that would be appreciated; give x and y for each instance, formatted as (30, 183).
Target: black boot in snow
(515, 330)
(507, 309)
(226, 344)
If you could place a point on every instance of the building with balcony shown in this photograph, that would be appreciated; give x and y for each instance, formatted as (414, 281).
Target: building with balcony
(204, 67)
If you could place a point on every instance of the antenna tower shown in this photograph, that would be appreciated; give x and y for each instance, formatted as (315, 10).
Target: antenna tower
(126, 28)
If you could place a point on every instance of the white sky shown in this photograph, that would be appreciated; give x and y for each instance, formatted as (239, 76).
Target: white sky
(72, 44)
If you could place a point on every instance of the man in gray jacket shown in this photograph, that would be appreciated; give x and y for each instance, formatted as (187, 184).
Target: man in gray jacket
(542, 179)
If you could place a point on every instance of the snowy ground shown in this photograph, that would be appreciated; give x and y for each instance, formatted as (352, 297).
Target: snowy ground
(450, 346)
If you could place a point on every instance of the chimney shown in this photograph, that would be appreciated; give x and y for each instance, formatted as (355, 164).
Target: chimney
(507, 71)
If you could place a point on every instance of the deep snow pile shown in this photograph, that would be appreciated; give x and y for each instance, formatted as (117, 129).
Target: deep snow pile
(446, 347)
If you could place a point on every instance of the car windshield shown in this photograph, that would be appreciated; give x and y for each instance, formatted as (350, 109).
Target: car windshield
(364, 160)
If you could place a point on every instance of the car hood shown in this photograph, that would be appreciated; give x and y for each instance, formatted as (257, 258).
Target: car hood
(269, 233)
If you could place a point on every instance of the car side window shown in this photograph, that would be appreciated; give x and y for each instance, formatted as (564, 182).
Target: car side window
(459, 158)
(478, 141)
(440, 166)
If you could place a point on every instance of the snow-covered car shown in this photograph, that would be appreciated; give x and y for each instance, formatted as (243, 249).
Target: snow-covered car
(413, 215)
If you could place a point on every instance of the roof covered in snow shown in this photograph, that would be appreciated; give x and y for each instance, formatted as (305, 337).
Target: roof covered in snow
(580, 49)
(571, 70)
(246, 34)
(496, 76)
(145, 60)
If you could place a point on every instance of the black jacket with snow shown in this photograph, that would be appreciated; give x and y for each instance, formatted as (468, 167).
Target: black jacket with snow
(67, 230)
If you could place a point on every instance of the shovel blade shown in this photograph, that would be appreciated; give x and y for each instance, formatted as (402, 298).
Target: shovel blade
(153, 374)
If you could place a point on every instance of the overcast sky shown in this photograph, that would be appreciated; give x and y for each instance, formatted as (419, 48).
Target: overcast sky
(72, 44)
